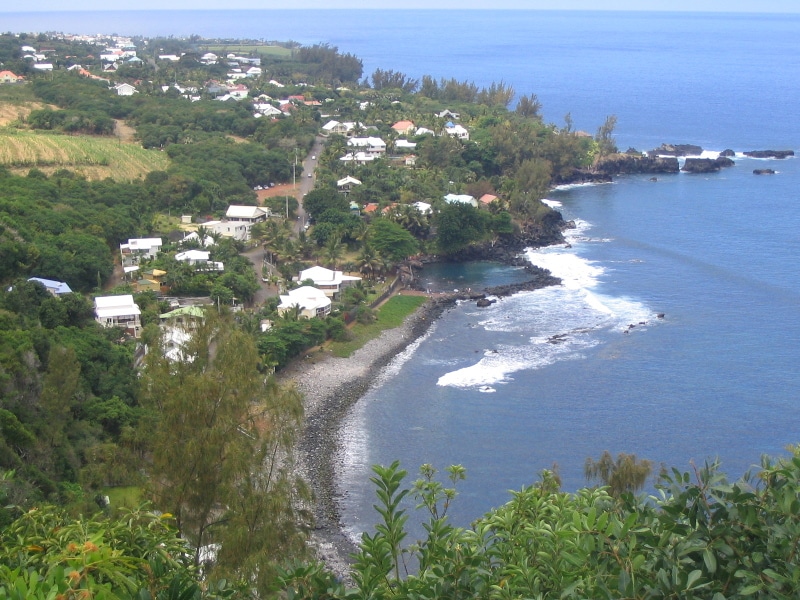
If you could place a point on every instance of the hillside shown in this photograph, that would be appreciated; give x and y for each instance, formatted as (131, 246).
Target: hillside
(95, 158)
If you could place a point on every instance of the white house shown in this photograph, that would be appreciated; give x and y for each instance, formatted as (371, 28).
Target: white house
(43, 66)
(250, 214)
(346, 183)
(461, 199)
(199, 258)
(359, 158)
(238, 230)
(404, 145)
(422, 207)
(118, 311)
(54, 287)
(371, 145)
(330, 282)
(136, 249)
(125, 89)
(311, 301)
(266, 109)
(456, 131)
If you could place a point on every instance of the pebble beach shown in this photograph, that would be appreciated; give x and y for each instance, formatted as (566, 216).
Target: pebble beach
(330, 386)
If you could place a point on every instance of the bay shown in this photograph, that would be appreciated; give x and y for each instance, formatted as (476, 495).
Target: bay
(717, 254)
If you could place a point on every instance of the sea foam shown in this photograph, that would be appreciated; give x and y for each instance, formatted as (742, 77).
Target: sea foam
(555, 323)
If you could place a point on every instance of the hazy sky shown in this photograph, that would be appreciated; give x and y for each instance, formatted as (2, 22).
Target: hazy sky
(760, 6)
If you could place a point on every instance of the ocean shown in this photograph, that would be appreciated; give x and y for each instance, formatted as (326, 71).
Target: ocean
(492, 388)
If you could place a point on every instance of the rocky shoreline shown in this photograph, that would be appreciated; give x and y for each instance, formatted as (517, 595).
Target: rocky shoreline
(331, 386)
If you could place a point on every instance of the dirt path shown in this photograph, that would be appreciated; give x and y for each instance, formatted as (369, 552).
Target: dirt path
(124, 132)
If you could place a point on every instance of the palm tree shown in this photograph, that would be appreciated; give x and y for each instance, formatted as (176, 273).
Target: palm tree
(333, 250)
(368, 261)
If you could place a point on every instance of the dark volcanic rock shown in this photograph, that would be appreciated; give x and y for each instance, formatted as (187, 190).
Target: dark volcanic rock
(676, 150)
(769, 153)
(763, 172)
(633, 164)
(727, 153)
(706, 165)
(484, 302)
(583, 176)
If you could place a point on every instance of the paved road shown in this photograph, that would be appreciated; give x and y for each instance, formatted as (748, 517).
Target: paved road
(307, 181)
(306, 184)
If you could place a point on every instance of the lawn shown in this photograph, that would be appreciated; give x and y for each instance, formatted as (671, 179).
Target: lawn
(124, 496)
(247, 49)
(392, 314)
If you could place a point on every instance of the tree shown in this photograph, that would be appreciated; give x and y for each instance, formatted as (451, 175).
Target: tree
(625, 474)
(529, 106)
(604, 137)
(392, 240)
(222, 450)
(458, 225)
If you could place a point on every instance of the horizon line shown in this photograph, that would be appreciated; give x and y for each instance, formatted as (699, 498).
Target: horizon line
(727, 10)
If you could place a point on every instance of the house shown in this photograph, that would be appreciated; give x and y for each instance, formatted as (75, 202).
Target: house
(137, 249)
(370, 207)
(404, 127)
(358, 158)
(456, 131)
(195, 237)
(310, 301)
(370, 145)
(424, 131)
(330, 282)
(177, 327)
(346, 184)
(43, 66)
(267, 110)
(54, 287)
(253, 72)
(199, 259)
(146, 285)
(401, 145)
(461, 199)
(9, 77)
(448, 114)
(487, 199)
(119, 311)
(422, 207)
(238, 230)
(411, 160)
(125, 89)
(250, 214)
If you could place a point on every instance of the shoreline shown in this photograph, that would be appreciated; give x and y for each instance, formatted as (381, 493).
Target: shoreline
(330, 386)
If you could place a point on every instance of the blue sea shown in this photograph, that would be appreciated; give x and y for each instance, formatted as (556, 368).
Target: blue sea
(716, 377)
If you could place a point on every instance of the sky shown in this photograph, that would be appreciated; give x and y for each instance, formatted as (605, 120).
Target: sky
(757, 6)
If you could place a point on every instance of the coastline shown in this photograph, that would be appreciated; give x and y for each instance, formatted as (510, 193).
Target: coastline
(330, 386)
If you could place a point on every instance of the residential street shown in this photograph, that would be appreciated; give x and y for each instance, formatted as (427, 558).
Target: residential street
(305, 185)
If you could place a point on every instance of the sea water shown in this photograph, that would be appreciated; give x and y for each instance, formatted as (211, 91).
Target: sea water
(558, 375)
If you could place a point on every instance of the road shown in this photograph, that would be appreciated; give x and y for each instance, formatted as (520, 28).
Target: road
(305, 185)
(307, 181)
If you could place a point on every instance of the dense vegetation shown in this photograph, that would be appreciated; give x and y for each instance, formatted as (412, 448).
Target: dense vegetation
(209, 439)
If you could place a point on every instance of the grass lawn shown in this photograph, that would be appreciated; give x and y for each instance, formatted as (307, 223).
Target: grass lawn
(246, 49)
(390, 315)
(126, 496)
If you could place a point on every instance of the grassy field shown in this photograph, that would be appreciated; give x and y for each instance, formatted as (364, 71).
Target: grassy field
(390, 315)
(93, 157)
(247, 49)
(128, 497)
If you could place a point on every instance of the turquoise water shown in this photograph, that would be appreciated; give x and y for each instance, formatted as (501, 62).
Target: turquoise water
(717, 376)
